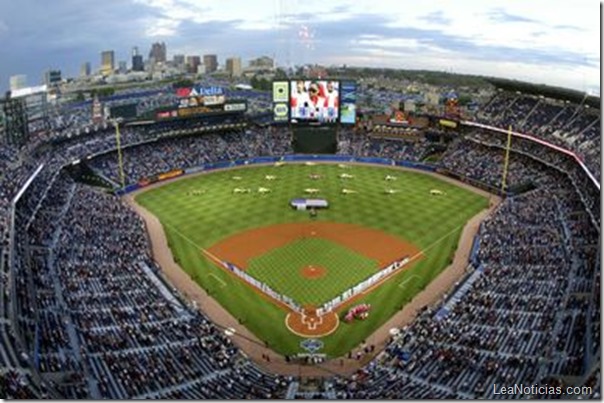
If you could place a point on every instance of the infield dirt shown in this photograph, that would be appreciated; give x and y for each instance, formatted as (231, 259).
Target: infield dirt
(374, 244)
(255, 348)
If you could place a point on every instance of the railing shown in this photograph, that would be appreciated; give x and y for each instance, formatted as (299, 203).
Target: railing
(537, 140)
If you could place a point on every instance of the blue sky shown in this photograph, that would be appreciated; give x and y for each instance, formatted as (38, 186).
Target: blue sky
(551, 42)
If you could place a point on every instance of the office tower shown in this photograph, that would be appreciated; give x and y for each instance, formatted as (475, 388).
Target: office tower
(192, 63)
(179, 60)
(158, 52)
(85, 69)
(211, 63)
(137, 61)
(52, 77)
(122, 67)
(233, 66)
(107, 62)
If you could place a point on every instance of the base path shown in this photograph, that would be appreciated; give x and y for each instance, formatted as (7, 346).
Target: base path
(254, 347)
(372, 243)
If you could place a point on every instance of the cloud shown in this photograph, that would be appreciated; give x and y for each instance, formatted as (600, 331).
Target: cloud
(568, 27)
(436, 17)
(500, 15)
(533, 42)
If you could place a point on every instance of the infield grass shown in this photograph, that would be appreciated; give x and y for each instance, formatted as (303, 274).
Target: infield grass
(432, 223)
(281, 269)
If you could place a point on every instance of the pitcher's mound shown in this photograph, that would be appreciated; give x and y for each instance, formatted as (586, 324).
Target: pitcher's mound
(309, 324)
(312, 272)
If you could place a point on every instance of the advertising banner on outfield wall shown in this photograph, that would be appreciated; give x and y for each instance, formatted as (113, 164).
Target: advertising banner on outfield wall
(235, 107)
(286, 158)
(170, 174)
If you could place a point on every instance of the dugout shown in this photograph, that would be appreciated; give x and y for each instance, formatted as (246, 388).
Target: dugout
(315, 139)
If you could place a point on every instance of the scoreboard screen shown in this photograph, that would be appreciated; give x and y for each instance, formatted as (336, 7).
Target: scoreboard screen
(314, 101)
(305, 101)
(348, 112)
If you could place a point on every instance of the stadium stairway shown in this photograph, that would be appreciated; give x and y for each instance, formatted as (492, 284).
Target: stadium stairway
(161, 286)
(458, 295)
(74, 341)
(292, 390)
(183, 386)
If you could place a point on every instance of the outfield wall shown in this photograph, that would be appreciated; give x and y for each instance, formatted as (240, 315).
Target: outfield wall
(267, 160)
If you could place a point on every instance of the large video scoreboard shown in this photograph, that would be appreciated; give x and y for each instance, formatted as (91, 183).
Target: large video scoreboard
(304, 101)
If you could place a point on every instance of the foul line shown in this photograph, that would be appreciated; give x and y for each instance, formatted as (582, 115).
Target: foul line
(439, 240)
(218, 279)
(405, 281)
(411, 259)
(189, 240)
(220, 268)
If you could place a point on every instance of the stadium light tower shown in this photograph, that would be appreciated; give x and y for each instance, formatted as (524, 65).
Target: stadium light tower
(116, 123)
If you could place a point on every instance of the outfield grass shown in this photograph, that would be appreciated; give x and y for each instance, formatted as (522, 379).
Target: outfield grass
(194, 222)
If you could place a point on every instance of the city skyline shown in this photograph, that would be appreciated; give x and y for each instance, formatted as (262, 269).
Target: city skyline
(553, 43)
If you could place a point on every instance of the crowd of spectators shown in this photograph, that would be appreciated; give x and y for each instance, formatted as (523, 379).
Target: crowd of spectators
(575, 127)
(360, 143)
(171, 153)
(91, 306)
(495, 143)
(530, 315)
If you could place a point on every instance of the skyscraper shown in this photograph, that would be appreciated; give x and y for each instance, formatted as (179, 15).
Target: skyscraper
(233, 66)
(211, 63)
(107, 62)
(158, 52)
(192, 63)
(137, 60)
(52, 77)
(137, 63)
(85, 69)
(179, 60)
(122, 67)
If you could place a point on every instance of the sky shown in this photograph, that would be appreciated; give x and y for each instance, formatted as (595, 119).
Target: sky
(550, 42)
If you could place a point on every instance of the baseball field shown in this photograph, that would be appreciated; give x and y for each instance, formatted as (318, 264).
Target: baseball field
(376, 215)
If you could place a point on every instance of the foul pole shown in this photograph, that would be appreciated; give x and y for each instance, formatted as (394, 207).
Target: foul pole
(119, 153)
(506, 160)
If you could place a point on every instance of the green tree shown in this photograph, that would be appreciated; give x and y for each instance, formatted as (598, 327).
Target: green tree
(183, 83)
(280, 74)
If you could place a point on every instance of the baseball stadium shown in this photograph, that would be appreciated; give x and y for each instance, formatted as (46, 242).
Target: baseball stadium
(312, 233)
